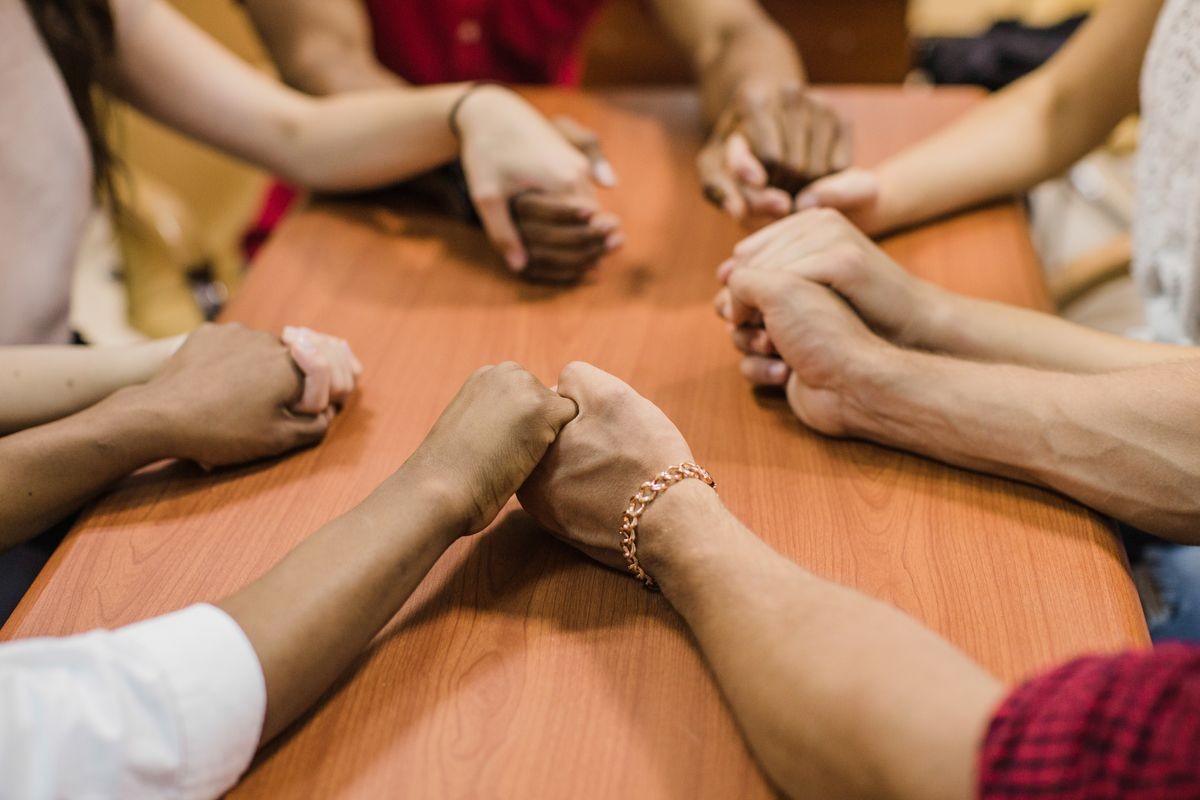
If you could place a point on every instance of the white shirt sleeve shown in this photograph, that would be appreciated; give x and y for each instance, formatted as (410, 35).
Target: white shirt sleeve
(168, 708)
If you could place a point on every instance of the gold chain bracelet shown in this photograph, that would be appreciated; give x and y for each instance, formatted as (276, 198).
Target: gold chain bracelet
(638, 504)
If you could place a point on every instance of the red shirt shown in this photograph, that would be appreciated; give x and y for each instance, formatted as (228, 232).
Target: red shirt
(1122, 728)
(514, 41)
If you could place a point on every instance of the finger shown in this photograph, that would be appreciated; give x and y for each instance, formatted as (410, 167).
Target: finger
(764, 371)
(846, 191)
(753, 341)
(570, 236)
(560, 259)
(498, 223)
(308, 430)
(741, 163)
(356, 367)
(798, 120)
(761, 127)
(820, 144)
(720, 188)
(723, 304)
(314, 396)
(842, 155)
(768, 202)
(757, 241)
(752, 291)
(587, 142)
(579, 381)
(561, 411)
(543, 207)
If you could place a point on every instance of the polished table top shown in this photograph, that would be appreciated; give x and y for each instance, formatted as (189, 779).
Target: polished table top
(518, 669)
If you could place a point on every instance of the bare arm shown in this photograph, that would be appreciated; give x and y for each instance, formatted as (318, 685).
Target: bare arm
(1029, 132)
(224, 398)
(351, 141)
(985, 330)
(42, 384)
(821, 245)
(731, 42)
(321, 46)
(177, 74)
(310, 616)
(49, 472)
(838, 695)
(1123, 443)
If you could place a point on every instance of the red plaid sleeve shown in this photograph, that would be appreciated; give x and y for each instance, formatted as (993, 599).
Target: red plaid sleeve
(1124, 727)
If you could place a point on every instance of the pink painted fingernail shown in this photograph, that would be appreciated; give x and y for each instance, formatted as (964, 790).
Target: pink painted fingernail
(614, 241)
(778, 370)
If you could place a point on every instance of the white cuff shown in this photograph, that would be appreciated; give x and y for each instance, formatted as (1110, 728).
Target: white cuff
(217, 684)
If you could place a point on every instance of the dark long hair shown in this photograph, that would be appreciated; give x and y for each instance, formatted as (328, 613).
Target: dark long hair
(81, 36)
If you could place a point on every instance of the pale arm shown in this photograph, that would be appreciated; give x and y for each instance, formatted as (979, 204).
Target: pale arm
(321, 46)
(1123, 443)
(731, 43)
(180, 76)
(985, 330)
(1028, 132)
(838, 695)
(46, 383)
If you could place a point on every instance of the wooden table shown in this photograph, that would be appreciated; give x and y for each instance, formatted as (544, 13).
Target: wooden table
(518, 669)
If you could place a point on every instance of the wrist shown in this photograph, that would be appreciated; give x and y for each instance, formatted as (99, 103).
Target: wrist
(480, 105)
(134, 428)
(683, 534)
(871, 388)
(434, 499)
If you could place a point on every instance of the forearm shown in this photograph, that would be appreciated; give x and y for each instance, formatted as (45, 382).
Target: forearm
(183, 78)
(1121, 442)
(984, 330)
(50, 471)
(369, 139)
(1025, 136)
(838, 695)
(42, 384)
(732, 44)
(312, 615)
(1029, 132)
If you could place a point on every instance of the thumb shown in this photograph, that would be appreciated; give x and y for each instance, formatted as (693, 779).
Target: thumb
(587, 142)
(752, 290)
(317, 377)
(498, 223)
(850, 189)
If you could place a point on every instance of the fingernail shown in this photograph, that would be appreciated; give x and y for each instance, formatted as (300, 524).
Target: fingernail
(807, 200)
(604, 173)
(516, 260)
(725, 268)
(606, 225)
(778, 370)
(614, 241)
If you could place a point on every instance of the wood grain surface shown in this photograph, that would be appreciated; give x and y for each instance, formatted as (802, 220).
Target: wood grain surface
(518, 669)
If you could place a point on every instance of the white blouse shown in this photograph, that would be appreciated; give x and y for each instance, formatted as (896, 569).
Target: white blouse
(1166, 264)
(169, 708)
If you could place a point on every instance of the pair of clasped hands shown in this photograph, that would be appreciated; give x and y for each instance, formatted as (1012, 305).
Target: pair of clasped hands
(541, 210)
(232, 395)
